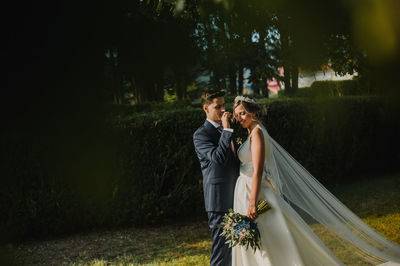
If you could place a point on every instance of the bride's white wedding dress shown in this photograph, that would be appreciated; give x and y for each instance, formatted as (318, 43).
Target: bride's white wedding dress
(285, 236)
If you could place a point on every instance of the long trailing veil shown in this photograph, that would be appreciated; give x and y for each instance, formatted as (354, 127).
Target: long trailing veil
(324, 213)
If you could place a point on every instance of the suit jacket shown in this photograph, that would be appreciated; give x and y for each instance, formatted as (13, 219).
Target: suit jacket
(219, 165)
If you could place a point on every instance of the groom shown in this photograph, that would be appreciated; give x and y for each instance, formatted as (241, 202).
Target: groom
(220, 167)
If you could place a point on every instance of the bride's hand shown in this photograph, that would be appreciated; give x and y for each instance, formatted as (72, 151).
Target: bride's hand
(252, 212)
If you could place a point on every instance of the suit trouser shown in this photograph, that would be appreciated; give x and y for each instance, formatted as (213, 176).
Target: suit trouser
(221, 254)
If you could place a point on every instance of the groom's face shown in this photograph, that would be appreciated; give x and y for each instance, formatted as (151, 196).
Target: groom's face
(215, 109)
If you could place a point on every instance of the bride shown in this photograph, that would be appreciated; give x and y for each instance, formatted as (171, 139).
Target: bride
(306, 224)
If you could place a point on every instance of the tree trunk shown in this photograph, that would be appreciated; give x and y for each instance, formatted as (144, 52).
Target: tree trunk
(213, 79)
(295, 78)
(232, 81)
(148, 91)
(178, 88)
(223, 83)
(286, 79)
(160, 87)
(256, 87)
(241, 80)
(136, 92)
(181, 89)
(117, 88)
(265, 82)
(287, 59)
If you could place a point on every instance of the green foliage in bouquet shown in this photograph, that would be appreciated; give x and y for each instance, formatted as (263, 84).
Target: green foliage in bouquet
(241, 230)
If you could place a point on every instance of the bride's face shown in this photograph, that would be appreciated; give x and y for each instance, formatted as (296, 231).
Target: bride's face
(243, 117)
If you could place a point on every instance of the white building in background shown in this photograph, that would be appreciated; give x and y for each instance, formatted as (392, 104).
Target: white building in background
(306, 78)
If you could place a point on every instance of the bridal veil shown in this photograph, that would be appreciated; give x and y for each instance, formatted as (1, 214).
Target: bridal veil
(337, 226)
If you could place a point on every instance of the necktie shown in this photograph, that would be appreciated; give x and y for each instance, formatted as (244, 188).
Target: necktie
(233, 147)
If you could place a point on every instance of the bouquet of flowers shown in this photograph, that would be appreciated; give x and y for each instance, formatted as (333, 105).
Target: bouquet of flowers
(241, 230)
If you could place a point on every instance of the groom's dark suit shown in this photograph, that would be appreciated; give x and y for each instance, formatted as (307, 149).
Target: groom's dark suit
(220, 168)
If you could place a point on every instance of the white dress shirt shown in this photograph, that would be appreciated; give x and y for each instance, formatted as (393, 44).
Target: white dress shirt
(216, 125)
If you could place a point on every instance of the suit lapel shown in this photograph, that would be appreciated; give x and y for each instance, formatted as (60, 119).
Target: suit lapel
(213, 132)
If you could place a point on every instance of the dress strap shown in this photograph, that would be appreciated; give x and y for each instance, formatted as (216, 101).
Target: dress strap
(254, 128)
(260, 127)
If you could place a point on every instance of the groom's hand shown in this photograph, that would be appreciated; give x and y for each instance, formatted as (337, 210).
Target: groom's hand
(225, 120)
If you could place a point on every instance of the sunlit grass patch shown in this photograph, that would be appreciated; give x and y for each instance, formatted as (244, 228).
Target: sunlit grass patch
(160, 251)
(388, 225)
(188, 244)
(376, 201)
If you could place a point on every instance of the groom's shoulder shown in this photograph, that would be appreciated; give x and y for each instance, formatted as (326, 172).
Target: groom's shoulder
(200, 130)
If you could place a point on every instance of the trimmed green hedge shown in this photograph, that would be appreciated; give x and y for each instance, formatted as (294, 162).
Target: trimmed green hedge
(127, 109)
(158, 159)
(141, 169)
(338, 137)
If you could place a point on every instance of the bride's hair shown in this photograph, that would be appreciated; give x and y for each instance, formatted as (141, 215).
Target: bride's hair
(250, 105)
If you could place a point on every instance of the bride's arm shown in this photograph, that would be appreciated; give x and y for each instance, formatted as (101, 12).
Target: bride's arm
(258, 156)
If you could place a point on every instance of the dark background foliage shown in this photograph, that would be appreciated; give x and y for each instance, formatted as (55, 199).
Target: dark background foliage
(141, 168)
(70, 161)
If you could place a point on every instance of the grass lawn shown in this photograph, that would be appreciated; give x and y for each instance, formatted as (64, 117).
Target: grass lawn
(376, 201)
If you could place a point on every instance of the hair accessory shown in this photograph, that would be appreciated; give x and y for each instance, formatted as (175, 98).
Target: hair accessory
(244, 99)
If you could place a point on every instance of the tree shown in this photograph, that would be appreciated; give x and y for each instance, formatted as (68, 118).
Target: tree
(155, 47)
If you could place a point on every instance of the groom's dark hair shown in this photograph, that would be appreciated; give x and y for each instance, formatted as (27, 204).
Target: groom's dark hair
(208, 96)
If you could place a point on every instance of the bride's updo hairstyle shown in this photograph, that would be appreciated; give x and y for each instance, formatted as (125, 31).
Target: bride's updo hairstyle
(250, 105)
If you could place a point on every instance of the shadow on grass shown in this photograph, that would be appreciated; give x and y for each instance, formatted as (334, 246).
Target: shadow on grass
(376, 201)
(372, 197)
(161, 245)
